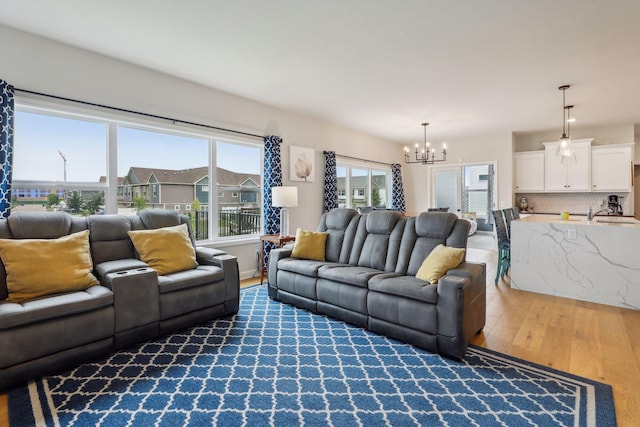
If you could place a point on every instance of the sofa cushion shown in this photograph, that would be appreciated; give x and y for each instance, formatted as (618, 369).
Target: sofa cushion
(39, 267)
(40, 225)
(53, 307)
(190, 278)
(341, 224)
(305, 267)
(438, 262)
(309, 245)
(405, 286)
(351, 275)
(166, 250)
(159, 218)
(109, 239)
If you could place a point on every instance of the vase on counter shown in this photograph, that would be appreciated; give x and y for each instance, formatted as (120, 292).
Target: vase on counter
(524, 204)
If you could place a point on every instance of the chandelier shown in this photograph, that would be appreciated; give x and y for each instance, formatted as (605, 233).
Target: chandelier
(428, 154)
(565, 148)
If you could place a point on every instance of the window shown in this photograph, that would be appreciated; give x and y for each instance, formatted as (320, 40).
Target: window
(367, 186)
(240, 173)
(57, 157)
(61, 163)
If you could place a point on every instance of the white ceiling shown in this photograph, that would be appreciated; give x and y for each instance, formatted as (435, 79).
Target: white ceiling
(380, 66)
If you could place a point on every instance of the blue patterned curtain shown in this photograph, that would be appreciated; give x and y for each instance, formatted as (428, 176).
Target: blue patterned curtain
(330, 181)
(272, 178)
(397, 191)
(6, 147)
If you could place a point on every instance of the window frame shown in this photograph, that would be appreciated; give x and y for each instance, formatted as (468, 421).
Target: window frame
(112, 120)
(350, 190)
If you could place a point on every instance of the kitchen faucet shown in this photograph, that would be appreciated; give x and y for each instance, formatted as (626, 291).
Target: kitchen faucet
(590, 215)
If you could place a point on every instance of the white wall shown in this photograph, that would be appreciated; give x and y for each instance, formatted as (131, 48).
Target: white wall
(478, 149)
(602, 135)
(43, 65)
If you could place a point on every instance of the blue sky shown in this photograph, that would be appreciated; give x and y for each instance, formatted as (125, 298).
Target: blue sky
(39, 138)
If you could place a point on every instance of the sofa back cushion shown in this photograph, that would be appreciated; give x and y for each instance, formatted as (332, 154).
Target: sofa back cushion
(340, 225)
(109, 239)
(378, 240)
(424, 233)
(160, 218)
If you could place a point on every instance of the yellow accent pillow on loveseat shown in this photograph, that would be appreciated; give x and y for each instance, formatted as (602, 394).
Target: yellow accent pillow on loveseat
(166, 250)
(40, 267)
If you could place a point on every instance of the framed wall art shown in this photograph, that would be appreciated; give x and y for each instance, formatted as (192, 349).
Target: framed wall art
(301, 164)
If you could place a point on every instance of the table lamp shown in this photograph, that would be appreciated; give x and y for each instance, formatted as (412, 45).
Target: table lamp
(284, 197)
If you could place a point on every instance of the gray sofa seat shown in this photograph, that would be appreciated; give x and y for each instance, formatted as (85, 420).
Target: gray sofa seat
(355, 276)
(377, 289)
(54, 307)
(404, 286)
(307, 267)
(198, 276)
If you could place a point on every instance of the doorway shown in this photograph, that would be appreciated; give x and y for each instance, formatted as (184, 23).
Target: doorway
(468, 188)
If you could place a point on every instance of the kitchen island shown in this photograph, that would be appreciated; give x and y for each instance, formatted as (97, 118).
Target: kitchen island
(596, 261)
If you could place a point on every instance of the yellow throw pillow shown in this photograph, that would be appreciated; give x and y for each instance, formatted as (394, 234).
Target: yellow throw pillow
(39, 267)
(309, 245)
(440, 260)
(166, 249)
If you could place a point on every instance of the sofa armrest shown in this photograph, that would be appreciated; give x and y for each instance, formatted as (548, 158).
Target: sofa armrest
(205, 255)
(135, 297)
(461, 307)
(272, 274)
(229, 265)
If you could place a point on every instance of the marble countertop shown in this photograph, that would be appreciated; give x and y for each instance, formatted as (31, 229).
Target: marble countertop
(617, 221)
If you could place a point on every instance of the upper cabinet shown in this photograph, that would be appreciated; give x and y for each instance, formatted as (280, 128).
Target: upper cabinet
(612, 167)
(571, 175)
(529, 168)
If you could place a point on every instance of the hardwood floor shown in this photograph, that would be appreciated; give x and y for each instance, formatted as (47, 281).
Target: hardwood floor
(590, 340)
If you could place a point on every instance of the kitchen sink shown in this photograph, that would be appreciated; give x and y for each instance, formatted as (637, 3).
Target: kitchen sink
(618, 220)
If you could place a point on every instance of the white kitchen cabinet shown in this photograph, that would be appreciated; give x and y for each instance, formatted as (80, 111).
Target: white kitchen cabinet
(571, 175)
(529, 167)
(612, 167)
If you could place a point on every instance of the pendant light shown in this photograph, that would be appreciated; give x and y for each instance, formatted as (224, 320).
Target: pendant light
(565, 148)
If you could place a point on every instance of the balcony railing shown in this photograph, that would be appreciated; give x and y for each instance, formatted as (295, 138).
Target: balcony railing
(229, 223)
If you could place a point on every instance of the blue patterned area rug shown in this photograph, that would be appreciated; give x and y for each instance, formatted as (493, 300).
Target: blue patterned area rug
(273, 364)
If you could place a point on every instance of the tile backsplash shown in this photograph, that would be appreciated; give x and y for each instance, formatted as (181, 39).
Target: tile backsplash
(574, 203)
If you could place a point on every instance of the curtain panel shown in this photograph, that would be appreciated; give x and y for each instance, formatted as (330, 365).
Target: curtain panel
(397, 191)
(6, 146)
(272, 178)
(330, 181)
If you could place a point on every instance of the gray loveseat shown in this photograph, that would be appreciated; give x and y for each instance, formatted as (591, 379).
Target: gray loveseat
(368, 278)
(131, 303)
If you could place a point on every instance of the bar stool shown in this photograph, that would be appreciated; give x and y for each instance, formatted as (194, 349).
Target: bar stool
(509, 215)
(504, 245)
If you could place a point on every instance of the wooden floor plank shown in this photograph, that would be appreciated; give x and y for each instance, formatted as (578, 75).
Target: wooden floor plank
(591, 340)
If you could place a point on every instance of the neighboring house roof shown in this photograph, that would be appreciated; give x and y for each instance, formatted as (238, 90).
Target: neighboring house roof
(225, 177)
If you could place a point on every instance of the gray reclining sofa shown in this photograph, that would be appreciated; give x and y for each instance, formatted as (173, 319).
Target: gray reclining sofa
(368, 278)
(131, 303)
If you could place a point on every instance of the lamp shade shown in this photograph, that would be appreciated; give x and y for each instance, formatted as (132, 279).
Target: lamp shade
(284, 197)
